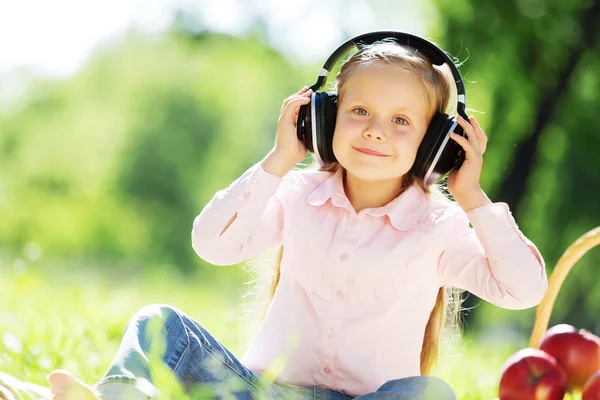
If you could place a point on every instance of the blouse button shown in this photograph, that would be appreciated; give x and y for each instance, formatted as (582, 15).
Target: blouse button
(327, 370)
(344, 257)
(339, 295)
(247, 195)
(256, 181)
(331, 333)
(354, 222)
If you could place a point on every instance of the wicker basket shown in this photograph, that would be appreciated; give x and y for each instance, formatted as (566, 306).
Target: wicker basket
(573, 253)
(562, 268)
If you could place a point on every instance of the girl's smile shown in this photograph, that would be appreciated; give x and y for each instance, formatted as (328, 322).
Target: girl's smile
(371, 152)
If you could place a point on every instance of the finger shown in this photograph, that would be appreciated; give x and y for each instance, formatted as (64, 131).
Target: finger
(299, 98)
(477, 129)
(293, 106)
(285, 102)
(469, 131)
(306, 93)
(297, 108)
(296, 112)
(470, 151)
(287, 99)
(483, 139)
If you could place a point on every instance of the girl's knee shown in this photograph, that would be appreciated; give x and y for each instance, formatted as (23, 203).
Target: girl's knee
(439, 386)
(159, 321)
(157, 316)
(151, 311)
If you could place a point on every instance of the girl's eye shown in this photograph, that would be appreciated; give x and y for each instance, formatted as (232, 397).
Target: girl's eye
(400, 120)
(361, 111)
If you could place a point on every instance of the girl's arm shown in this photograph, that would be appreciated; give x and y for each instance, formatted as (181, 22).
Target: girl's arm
(492, 260)
(247, 218)
(241, 221)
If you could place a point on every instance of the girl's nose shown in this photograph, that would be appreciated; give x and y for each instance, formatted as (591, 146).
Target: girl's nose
(374, 131)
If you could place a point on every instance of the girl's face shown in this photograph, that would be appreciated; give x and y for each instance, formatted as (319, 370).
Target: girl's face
(382, 116)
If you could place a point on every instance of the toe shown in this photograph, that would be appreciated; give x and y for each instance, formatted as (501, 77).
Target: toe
(65, 386)
(59, 381)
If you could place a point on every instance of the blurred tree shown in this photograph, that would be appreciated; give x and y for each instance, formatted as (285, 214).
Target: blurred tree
(533, 62)
(115, 162)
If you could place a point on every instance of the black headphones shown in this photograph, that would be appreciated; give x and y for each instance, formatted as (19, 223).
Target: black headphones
(437, 155)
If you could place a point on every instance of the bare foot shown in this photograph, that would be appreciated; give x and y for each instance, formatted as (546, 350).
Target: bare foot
(64, 386)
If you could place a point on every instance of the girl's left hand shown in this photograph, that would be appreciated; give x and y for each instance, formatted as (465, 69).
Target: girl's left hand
(466, 179)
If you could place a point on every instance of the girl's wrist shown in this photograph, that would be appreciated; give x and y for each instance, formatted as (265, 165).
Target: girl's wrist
(276, 163)
(471, 199)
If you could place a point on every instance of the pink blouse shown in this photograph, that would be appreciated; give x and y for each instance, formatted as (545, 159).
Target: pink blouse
(356, 289)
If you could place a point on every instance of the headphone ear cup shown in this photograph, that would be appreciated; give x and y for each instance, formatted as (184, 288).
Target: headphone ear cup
(330, 115)
(438, 154)
(325, 112)
(304, 126)
(427, 147)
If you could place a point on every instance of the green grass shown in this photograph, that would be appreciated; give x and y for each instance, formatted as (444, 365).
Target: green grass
(75, 322)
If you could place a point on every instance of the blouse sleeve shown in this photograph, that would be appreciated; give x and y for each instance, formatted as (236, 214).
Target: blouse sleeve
(240, 221)
(492, 260)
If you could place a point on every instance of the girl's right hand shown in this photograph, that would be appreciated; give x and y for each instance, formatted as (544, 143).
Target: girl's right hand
(289, 150)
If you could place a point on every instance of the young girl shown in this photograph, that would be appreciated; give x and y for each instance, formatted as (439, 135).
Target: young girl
(366, 253)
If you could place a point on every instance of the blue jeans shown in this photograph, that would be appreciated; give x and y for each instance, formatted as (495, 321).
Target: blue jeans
(207, 370)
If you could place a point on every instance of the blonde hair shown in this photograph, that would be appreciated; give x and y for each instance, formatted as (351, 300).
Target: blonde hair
(441, 92)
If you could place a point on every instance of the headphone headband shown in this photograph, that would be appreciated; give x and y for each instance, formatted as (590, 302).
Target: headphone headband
(436, 55)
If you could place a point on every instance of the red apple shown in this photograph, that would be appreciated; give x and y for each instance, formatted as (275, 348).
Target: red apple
(531, 374)
(578, 351)
(591, 389)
